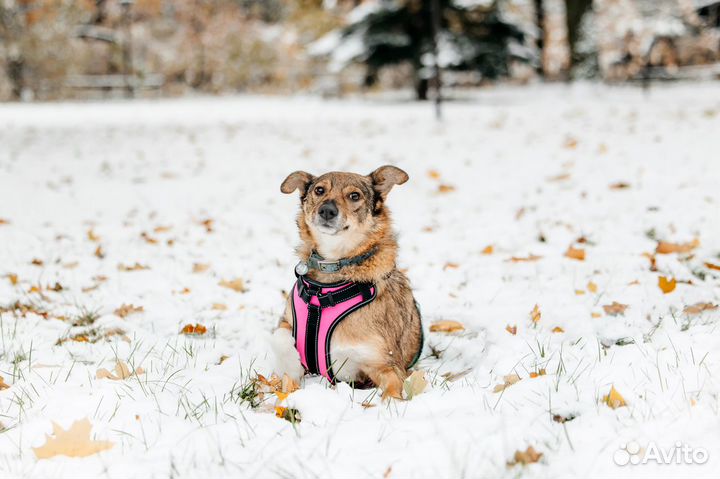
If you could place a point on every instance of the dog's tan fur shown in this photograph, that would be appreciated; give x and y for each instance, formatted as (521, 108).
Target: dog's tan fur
(378, 342)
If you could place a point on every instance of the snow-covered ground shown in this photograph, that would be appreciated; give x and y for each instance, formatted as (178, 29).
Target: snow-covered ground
(189, 189)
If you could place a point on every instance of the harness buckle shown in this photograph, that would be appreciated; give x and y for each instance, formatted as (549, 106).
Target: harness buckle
(327, 266)
(330, 299)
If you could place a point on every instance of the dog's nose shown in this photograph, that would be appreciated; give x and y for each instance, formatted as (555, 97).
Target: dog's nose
(328, 210)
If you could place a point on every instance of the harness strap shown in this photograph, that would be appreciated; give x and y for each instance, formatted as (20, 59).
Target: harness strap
(333, 298)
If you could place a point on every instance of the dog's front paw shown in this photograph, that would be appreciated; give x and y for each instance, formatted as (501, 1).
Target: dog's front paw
(287, 359)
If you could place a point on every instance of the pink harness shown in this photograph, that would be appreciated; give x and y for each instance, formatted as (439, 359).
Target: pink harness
(317, 310)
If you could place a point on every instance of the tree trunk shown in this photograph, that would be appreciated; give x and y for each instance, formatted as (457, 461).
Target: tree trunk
(575, 9)
(422, 85)
(540, 24)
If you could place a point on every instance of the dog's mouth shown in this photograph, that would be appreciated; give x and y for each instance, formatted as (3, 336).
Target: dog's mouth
(331, 227)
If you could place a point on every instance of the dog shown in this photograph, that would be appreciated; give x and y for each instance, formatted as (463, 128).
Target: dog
(351, 312)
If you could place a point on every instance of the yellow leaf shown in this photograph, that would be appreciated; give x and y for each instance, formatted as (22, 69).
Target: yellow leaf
(446, 326)
(3, 384)
(237, 285)
(528, 456)
(414, 384)
(219, 307)
(575, 253)
(92, 236)
(443, 188)
(162, 229)
(665, 247)
(103, 373)
(488, 249)
(75, 442)
(535, 314)
(579, 292)
(281, 395)
(595, 315)
(198, 329)
(99, 252)
(524, 259)
(667, 285)
(434, 174)
(13, 278)
(508, 381)
(614, 399)
(558, 329)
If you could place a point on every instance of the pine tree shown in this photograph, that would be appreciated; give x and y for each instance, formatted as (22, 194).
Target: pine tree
(472, 37)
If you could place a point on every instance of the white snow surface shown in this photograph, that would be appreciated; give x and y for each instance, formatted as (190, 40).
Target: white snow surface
(527, 164)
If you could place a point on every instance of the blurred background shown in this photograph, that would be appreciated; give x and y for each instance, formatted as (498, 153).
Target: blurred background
(60, 49)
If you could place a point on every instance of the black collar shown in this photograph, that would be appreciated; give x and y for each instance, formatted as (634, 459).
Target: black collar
(317, 262)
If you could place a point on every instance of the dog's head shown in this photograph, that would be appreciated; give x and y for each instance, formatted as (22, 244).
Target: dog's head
(342, 208)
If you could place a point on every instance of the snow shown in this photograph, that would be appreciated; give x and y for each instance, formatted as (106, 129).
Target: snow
(526, 163)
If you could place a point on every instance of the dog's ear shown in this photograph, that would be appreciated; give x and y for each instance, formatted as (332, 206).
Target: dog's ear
(385, 177)
(297, 180)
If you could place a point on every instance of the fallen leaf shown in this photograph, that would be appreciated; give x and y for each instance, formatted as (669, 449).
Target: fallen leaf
(535, 314)
(528, 456)
(614, 399)
(162, 229)
(575, 253)
(122, 371)
(134, 267)
(200, 267)
(219, 307)
(699, 308)
(450, 266)
(3, 221)
(288, 385)
(667, 285)
(620, 185)
(443, 188)
(92, 236)
(615, 308)
(3, 384)
(511, 329)
(541, 372)
(570, 143)
(37, 262)
(434, 174)
(13, 278)
(579, 292)
(75, 442)
(558, 329)
(148, 239)
(71, 265)
(237, 285)
(127, 309)
(712, 266)
(665, 247)
(414, 384)
(289, 414)
(595, 315)
(563, 419)
(222, 359)
(560, 177)
(99, 252)
(525, 259)
(446, 326)
(488, 249)
(198, 329)
(508, 381)
(208, 224)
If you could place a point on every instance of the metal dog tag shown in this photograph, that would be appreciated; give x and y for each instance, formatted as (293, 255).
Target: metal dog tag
(301, 268)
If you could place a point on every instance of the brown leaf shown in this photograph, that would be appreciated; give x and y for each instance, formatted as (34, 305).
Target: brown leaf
(446, 326)
(222, 359)
(511, 329)
(134, 267)
(595, 315)
(219, 307)
(148, 239)
(665, 247)
(508, 381)
(198, 329)
(415, 384)
(575, 253)
(560, 177)
(699, 308)
(13, 278)
(3, 221)
(615, 308)
(236, 284)
(558, 329)
(75, 442)
(528, 456)
(570, 143)
(712, 266)
(525, 259)
(200, 267)
(541, 372)
(535, 314)
(37, 262)
(614, 399)
(99, 252)
(667, 285)
(443, 188)
(620, 185)
(162, 229)
(92, 236)
(450, 266)
(128, 309)
(592, 287)
(488, 249)
(3, 384)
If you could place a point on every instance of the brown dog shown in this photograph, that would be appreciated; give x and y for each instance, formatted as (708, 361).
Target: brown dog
(343, 216)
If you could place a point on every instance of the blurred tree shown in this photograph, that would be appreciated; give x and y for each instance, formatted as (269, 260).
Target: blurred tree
(472, 37)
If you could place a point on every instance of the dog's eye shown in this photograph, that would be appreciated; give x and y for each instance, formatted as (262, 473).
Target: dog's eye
(354, 196)
(319, 190)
